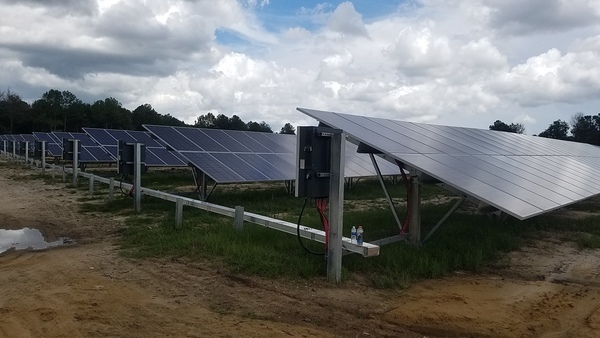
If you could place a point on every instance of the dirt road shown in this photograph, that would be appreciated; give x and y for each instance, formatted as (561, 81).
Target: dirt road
(86, 289)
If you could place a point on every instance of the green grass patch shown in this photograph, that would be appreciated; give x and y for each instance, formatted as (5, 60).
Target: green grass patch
(466, 241)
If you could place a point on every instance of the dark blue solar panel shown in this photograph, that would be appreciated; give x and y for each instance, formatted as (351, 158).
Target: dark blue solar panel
(113, 150)
(152, 160)
(167, 158)
(201, 139)
(101, 136)
(83, 138)
(173, 138)
(122, 135)
(95, 154)
(54, 149)
(227, 141)
(250, 142)
(213, 168)
(285, 163)
(144, 137)
(242, 168)
(28, 137)
(44, 137)
(276, 142)
(269, 169)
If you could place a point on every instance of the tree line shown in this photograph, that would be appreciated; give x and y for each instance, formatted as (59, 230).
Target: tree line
(62, 111)
(583, 128)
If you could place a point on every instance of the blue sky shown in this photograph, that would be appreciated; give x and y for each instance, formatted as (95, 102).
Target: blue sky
(457, 62)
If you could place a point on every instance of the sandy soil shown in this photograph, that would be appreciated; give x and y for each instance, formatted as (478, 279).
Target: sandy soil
(550, 289)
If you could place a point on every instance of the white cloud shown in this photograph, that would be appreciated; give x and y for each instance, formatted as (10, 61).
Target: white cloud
(346, 21)
(460, 62)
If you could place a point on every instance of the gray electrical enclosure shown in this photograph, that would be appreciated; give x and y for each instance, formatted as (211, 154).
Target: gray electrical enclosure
(37, 149)
(22, 147)
(68, 149)
(126, 158)
(313, 161)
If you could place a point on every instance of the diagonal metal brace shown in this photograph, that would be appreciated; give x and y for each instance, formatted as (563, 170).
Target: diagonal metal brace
(454, 207)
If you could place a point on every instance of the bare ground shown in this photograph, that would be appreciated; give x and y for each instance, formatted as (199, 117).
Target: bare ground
(549, 289)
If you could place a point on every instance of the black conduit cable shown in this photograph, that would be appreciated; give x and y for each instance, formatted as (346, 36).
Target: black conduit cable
(123, 177)
(298, 233)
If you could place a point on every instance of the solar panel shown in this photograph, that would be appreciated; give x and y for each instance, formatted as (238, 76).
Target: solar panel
(229, 156)
(156, 153)
(53, 148)
(521, 175)
(90, 151)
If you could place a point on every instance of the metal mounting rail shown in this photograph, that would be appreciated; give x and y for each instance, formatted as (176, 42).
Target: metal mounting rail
(366, 249)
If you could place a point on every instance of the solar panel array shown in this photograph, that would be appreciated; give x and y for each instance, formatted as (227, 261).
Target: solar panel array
(52, 146)
(521, 175)
(229, 156)
(156, 153)
(18, 138)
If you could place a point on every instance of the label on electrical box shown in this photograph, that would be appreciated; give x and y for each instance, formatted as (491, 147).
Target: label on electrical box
(302, 165)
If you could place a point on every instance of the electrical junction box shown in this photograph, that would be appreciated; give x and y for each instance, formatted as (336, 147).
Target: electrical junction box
(313, 161)
(22, 147)
(37, 149)
(126, 158)
(68, 149)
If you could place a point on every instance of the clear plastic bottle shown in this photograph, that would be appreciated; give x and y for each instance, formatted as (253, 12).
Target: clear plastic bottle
(360, 235)
(353, 235)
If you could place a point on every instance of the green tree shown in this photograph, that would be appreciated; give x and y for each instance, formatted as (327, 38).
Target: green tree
(110, 114)
(261, 127)
(205, 121)
(221, 122)
(518, 128)
(14, 114)
(168, 120)
(288, 128)
(144, 114)
(557, 130)
(236, 123)
(586, 128)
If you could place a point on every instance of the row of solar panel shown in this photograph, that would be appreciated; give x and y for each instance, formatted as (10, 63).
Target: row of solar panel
(521, 175)
(224, 155)
(237, 156)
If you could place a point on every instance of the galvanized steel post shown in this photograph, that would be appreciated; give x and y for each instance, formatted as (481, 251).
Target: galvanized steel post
(336, 208)
(137, 176)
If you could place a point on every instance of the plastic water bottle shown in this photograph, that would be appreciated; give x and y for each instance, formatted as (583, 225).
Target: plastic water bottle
(353, 235)
(359, 235)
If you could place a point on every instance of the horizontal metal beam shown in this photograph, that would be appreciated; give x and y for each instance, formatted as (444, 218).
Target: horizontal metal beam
(366, 249)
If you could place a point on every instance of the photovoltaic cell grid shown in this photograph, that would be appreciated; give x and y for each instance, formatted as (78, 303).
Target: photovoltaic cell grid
(229, 156)
(156, 153)
(521, 175)
(90, 151)
(52, 147)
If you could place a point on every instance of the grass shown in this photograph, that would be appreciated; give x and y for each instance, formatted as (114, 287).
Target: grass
(466, 241)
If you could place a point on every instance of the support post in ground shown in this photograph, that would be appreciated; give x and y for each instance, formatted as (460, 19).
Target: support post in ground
(238, 219)
(414, 203)
(43, 143)
(137, 176)
(203, 188)
(178, 212)
(111, 188)
(26, 153)
(336, 208)
(75, 161)
(53, 171)
(91, 185)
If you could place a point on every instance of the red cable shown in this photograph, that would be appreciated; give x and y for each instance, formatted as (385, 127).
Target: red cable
(321, 205)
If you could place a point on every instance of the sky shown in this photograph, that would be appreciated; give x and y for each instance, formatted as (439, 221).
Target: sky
(452, 62)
